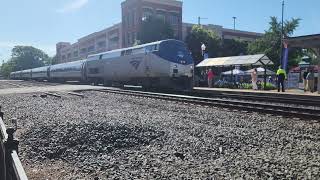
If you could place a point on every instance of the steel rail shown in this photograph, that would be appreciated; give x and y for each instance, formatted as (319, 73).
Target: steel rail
(76, 94)
(304, 113)
(3, 129)
(19, 172)
(279, 99)
(275, 99)
(17, 166)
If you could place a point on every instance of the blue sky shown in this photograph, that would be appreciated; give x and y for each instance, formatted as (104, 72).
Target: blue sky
(42, 23)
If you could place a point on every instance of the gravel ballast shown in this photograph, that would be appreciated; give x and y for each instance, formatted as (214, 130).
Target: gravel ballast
(111, 136)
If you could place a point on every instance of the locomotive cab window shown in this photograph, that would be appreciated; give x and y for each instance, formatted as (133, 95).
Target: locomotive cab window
(151, 48)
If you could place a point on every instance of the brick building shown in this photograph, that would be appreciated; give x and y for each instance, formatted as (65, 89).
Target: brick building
(134, 12)
(125, 33)
(105, 40)
(223, 33)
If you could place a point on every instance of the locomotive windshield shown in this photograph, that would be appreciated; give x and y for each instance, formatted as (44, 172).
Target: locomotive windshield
(175, 51)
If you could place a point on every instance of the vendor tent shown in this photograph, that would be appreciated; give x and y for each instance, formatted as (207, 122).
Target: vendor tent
(248, 60)
(234, 72)
(261, 71)
(238, 61)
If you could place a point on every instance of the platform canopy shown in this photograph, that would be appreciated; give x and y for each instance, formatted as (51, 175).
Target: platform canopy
(308, 41)
(248, 60)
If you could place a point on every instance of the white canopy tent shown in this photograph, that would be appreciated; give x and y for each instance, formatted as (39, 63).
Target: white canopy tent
(234, 72)
(237, 61)
(248, 60)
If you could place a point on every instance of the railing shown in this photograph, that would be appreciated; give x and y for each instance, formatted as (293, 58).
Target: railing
(10, 165)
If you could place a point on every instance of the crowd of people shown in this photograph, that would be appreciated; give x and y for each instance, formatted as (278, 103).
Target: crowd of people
(281, 77)
(308, 80)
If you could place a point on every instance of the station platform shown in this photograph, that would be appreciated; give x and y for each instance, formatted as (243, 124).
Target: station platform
(289, 92)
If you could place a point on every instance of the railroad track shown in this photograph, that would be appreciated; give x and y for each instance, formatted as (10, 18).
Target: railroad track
(263, 98)
(60, 95)
(20, 84)
(298, 112)
(272, 98)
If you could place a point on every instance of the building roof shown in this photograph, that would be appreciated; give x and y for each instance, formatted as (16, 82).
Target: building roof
(308, 41)
(255, 60)
(93, 35)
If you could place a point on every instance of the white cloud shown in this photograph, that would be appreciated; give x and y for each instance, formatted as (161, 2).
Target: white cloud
(73, 6)
(6, 47)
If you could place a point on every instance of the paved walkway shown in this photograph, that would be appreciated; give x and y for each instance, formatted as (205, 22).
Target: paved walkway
(288, 91)
(58, 88)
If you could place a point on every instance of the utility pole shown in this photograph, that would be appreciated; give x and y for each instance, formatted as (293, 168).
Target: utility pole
(199, 20)
(234, 22)
(281, 53)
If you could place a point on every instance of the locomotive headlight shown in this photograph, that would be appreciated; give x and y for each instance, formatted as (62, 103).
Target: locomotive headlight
(175, 66)
(191, 67)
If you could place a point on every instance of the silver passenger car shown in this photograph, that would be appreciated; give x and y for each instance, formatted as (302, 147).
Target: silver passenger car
(41, 73)
(67, 71)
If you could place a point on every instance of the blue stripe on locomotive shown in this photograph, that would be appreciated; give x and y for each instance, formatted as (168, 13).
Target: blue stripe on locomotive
(174, 51)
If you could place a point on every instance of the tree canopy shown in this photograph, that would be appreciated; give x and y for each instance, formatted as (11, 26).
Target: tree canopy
(270, 43)
(24, 57)
(216, 47)
(232, 47)
(201, 35)
(155, 29)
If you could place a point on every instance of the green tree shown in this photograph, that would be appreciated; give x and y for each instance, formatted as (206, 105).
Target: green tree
(7, 68)
(270, 43)
(231, 47)
(53, 60)
(24, 57)
(27, 57)
(201, 35)
(312, 55)
(154, 29)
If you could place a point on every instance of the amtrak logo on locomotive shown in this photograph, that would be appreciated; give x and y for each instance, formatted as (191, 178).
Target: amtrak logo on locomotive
(135, 64)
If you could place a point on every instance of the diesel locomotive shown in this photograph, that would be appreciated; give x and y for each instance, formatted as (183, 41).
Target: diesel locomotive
(165, 64)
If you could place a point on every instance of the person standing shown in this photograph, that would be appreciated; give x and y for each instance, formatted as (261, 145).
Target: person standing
(281, 76)
(310, 81)
(254, 79)
(270, 79)
(210, 78)
(305, 85)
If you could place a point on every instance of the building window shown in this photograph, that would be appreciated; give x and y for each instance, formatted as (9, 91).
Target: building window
(83, 50)
(124, 21)
(69, 55)
(147, 13)
(75, 54)
(90, 48)
(136, 18)
(174, 18)
(63, 57)
(128, 21)
(133, 19)
(134, 37)
(114, 39)
(129, 39)
(102, 44)
(161, 15)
